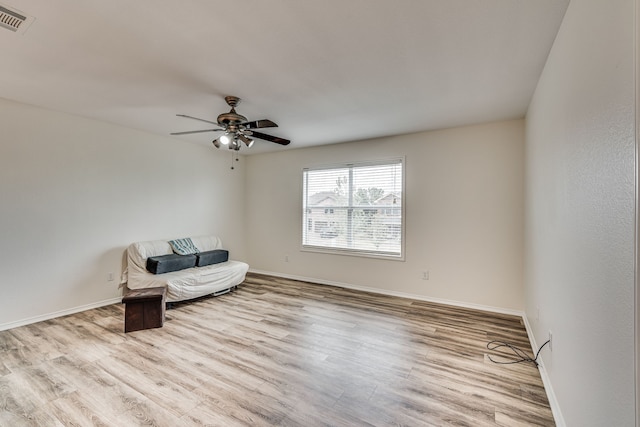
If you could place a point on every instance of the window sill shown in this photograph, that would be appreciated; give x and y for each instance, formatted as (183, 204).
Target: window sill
(355, 253)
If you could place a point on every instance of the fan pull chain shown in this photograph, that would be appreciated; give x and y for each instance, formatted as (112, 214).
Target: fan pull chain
(234, 153)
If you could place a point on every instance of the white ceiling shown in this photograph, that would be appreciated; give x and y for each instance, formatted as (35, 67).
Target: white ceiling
(326, 71)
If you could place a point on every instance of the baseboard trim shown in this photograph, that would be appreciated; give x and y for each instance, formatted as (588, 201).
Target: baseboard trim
(461, 304)
(48, 316)
(546, 381)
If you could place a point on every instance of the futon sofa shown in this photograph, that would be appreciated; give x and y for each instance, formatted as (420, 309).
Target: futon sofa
(188, 268)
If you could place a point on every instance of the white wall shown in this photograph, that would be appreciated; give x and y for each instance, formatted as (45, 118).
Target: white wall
(580, 214)
(76, 192)
(464, 212)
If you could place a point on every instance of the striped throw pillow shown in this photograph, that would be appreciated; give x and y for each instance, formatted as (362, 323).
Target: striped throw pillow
(183, 246)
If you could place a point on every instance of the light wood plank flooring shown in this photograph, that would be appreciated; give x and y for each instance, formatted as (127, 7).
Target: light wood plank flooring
(273, 352)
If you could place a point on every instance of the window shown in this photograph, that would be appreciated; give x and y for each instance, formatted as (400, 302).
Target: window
(354, 209)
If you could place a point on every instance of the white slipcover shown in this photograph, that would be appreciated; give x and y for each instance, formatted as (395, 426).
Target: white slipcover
(184, 284)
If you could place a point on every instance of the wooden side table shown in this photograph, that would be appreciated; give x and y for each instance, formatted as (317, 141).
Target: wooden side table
(144, 308)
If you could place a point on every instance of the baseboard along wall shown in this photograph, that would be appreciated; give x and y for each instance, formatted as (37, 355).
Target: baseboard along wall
(393, 293)
(43, 317)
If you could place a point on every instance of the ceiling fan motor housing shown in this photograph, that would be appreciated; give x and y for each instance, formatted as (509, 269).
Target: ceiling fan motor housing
(231, 118)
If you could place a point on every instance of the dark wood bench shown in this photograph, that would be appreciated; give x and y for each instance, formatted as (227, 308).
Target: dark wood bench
(144, 308)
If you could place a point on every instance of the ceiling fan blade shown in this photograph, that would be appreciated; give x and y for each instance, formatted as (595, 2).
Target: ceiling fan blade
(195, 131)
(270, 138)
(259, 124)
(195, 118)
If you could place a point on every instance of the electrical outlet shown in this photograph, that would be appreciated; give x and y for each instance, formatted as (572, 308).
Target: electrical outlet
(425, 275)
(110, 276)
(286, 258)
(550, 341)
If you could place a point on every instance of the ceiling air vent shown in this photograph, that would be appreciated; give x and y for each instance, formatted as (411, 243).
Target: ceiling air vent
(14, 21)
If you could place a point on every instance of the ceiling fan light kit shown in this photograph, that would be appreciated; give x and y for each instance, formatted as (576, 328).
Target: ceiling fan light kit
(247, 141)
(236, 128)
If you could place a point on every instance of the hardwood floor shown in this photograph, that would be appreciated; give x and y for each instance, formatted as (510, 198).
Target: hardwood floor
(273, 352)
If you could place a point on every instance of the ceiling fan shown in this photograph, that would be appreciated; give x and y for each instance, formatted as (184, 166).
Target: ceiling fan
(237, 129)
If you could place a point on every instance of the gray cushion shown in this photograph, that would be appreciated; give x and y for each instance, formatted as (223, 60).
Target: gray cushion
(172, 262)
(212, 257)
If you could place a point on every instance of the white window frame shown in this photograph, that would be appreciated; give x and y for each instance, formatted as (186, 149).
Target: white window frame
(348, 251)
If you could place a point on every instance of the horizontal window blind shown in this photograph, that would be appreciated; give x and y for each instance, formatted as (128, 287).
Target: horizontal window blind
(354, 208)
